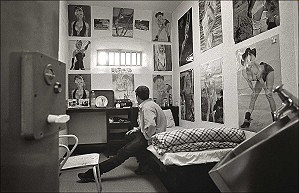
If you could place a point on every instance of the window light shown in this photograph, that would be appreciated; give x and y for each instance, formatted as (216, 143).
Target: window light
(119, 58)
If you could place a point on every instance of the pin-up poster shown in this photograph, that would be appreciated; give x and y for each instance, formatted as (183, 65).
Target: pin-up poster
(187, 95)
(79, 20)
(122, 25)
(161, 26)
(211, 82)
(123, 85)
(185, 38)
(79, 86)
(79, 54)
(162, 88)
(259, 71)
(162, 57)
(254, 17)
(210, 24)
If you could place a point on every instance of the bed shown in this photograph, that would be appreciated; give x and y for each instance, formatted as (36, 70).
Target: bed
(185, 171)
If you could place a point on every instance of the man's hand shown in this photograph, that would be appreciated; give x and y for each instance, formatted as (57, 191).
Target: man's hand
(132, 131)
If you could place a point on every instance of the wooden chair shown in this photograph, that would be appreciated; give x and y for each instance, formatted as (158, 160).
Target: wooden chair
(71, 163)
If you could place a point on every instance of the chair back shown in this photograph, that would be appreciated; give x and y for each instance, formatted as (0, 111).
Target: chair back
(68, 151)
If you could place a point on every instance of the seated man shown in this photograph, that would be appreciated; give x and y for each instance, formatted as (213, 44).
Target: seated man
(151, 120)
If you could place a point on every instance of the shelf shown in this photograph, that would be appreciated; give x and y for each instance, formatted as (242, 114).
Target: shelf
(118, 130)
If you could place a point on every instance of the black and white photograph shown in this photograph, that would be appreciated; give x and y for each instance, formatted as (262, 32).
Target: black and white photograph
(142, 25)
(101, 24)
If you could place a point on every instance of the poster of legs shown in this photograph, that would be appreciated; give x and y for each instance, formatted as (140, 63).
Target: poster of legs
(161, 26)
(253, 17)
(259, 71)
(162, 88)
(162, 57)
(122, 25)
(123, 86)
(212, 91)
(187, 95)
(210, 23)
(79, 55)
(185, 38)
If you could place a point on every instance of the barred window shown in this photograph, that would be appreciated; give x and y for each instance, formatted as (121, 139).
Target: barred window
(119, 58)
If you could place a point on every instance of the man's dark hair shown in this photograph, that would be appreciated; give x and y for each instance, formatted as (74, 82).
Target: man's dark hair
(159, 13)
(142, 92)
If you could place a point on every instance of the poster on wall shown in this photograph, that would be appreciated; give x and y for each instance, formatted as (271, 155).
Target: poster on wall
(122, 25)
(79, 86)
(142, 25)
(101, 24)
(254, 17)
(123, 85)
(162, 89)
(187, 95)
(185, 38)
(259, 71)
(211, 82)
(162, 57)
(79, 20)
(161, 26)
(210, 24)
(79, 54)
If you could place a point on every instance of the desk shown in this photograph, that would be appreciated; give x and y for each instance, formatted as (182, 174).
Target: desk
(90, 124)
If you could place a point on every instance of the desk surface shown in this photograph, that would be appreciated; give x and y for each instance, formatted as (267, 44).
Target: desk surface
(94, 109)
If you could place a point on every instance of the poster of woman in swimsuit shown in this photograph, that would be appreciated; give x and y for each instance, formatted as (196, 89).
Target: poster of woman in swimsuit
(259, 72)
(162, 57)
(122, 25)
(162, 88)
(185, 38)
(187, 95)
(253, 17)
(210, 24)
(79, 54)
(79, 20)
(212, 91)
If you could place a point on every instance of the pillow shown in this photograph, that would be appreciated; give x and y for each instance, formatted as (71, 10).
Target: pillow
(169, 118)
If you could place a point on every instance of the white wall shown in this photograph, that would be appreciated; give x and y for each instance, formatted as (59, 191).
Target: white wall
(288, 34)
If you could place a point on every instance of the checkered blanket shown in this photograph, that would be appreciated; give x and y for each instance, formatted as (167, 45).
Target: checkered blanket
(167, 139)
(197, 146)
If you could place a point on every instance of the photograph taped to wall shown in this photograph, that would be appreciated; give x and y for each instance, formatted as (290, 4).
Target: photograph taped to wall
(162, 88)
(142, 25)
(211, 82)
(185, 38)
(79, 54)
(101, 24)
(187, 95)
(259, 71)
(161, 26)
(123, 86)
(210, 22)
(79, 19)
(162, 57)
(254, 17)
(79, 86)
(122, 25)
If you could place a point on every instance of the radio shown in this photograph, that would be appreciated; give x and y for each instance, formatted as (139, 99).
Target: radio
(123, 103)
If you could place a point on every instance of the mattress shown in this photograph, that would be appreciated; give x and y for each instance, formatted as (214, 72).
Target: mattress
(190, 158)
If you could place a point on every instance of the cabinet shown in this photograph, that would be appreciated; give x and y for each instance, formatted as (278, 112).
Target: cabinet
(119, 121)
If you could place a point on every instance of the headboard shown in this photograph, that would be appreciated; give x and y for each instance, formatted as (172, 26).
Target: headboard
(174, 110)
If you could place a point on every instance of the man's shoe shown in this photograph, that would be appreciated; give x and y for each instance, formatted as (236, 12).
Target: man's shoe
(84, 178)
(246, 124)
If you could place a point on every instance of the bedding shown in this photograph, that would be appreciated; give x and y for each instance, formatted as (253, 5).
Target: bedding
(196, 139)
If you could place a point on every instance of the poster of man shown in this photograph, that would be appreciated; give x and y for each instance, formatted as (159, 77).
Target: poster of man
(187, 95)
(162, 57)
(259, 71)
(211, 82)
(253, 17)
(79, 54)
(162, 89)
(161, 27)
(210, 24)
(185, 38)
(79, 20)
(122, 25)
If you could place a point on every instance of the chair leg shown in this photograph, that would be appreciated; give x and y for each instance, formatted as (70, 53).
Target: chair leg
(97, 178)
